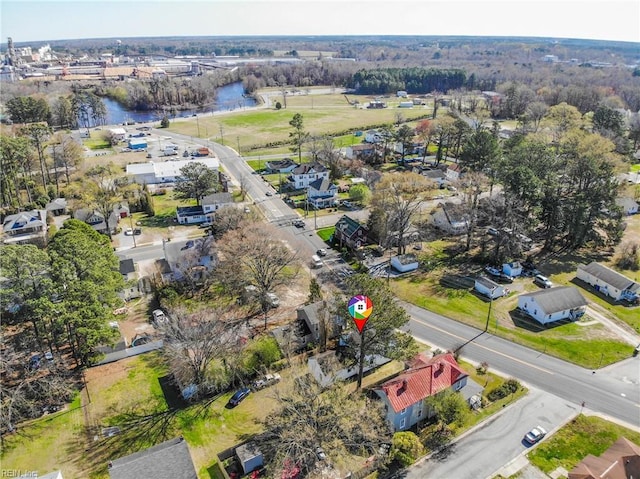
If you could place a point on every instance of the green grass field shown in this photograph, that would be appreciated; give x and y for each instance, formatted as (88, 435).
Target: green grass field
(585, 435)
(322, 115)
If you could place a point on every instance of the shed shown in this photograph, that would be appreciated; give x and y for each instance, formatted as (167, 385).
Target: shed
(553, 304)
(250, 457)
(489, 288)
(512, 269)
(405, 263)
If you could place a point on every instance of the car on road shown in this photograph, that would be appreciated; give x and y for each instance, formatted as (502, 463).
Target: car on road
(542, 281)
(535, 435)
(268, 193)
(298, 224)
(239, 396)
(321, 252)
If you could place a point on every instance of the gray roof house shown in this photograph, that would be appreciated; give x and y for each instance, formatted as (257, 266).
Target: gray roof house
(215, 201)
(25, 227)
(609, 282)
(450, 218)
(250, 457)
(489, 288)
(57, 206)
(96, 220)
(312, 316)
(286, 165)
(195, 258)
(306, 173)
(168, 460)
(553, 304)
(321, 193)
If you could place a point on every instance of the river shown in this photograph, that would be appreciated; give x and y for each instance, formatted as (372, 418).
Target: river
(228, 97)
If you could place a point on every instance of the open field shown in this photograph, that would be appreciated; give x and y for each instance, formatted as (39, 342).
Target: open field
(322, 115)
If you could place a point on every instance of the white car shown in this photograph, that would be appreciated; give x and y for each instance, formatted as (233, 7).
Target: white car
(158, 316)
(128, 232)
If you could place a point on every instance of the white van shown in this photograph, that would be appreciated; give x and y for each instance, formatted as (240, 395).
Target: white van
(316, 262)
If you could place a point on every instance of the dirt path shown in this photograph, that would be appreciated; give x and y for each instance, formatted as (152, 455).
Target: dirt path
(625, 333)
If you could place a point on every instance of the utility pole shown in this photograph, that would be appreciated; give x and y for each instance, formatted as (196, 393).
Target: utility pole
(198, 125)
(486, 326)
(238, 140)
(133, 231)
(221, 135)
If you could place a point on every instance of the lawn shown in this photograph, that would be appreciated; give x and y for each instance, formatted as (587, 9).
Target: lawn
(96, 142)
(578, 438)
(326, 233)
(53, 442)
(322, 115)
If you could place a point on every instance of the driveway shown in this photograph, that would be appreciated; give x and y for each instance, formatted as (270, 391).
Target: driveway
(483, 451)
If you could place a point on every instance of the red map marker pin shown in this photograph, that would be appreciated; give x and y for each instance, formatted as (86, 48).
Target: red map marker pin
(360, 308)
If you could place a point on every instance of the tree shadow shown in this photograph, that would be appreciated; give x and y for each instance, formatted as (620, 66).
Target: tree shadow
(454, 281)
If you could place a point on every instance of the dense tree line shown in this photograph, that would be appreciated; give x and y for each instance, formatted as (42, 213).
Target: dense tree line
(411, 80)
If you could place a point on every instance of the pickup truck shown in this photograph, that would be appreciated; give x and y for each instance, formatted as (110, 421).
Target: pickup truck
(266, 381)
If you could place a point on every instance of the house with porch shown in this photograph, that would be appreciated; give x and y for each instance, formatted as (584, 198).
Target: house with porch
(321, 193)
(350, 233)
(307, 173)
(188, 259)
(404, 395)
(609, 282)
(363, 152)
(97, 221)
(25, 227)
(57, 207)
(450, 218)
(553, 304)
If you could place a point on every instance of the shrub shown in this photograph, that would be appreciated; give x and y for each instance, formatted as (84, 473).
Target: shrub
(406, 448)
(510, 386)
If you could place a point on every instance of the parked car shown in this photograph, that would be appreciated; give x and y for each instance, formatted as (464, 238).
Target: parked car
(542, 281)
(128, 232)
(320, 453)
(48, 356)
(535, 435)
(492, 231)
(321, 252)
(158, 316)
(268, 193)
(239, 396)
(265, 381)
(34, 362)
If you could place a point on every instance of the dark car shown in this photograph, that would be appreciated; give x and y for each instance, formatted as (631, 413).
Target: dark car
(34, 362)
(298, 224)
(238, 396)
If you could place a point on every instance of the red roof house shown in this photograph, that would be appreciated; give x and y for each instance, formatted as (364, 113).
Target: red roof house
(404, 395)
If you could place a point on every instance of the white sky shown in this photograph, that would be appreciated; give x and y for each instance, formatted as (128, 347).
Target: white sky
(29, 20)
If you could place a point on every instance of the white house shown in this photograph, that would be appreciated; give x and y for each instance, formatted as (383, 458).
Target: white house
(629, 205)
(280, 166)
(553, 304)
(512, 269)
(307, 173)
(165, 171)
(321, 193)
(405, 263)
(609, 282)
(489, 288)
(450, 218)
(212, 203)
(189, 258)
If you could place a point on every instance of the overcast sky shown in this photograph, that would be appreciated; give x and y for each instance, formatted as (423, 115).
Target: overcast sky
(29, 20)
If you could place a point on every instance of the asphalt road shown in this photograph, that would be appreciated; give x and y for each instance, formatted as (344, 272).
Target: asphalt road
(613, 391)
(484, 450)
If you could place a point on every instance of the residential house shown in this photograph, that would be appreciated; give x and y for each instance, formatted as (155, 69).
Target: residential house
(249, 456)
(363, 152)
(96, 220)
(168, 460)
(350, 233)
(404, 395)
(319, 322)
(321, 193)
(307, 173)
(489, 288)
(190, 215)
(620, 461)
(450, 218)
(405, 262)
(553, 304)
(57, 207)
(130, 275)
(629, 205)
(25, 227)
(161, 172)
(609, 282)
(189, 258)
(373, 136)
(212, 203)
(280, 166)
(437, 176)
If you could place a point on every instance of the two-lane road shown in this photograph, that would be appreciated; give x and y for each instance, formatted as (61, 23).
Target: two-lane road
(613, 391)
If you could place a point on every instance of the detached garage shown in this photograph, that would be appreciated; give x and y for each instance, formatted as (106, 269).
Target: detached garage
(553, 304)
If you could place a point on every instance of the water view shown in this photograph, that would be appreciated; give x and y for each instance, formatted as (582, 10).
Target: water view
(228, 97)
